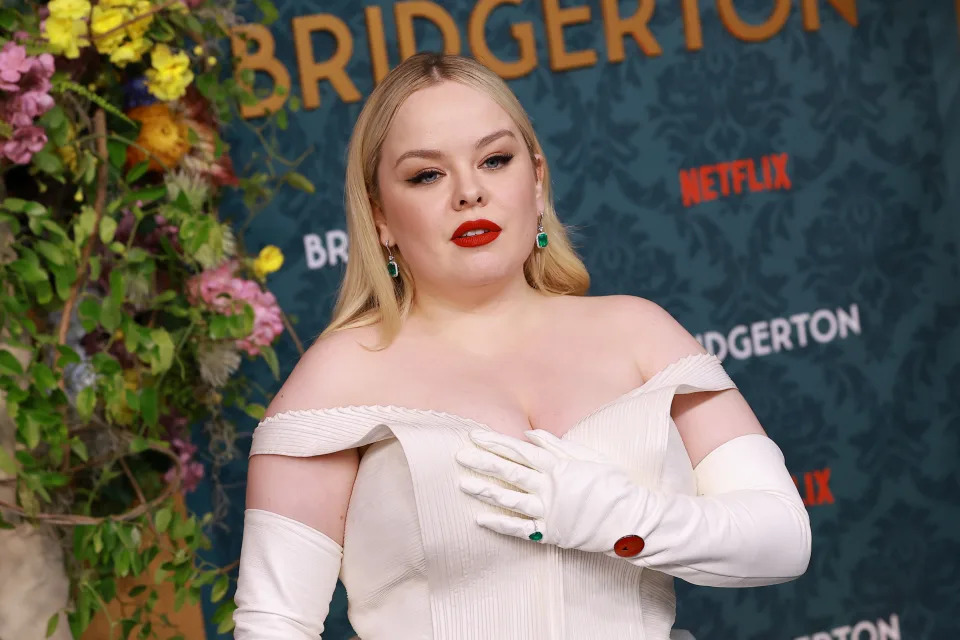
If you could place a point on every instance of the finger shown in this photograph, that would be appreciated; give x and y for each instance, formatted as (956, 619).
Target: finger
(523, 503)
(507, 525)
(493, 465)
(514, 449)
(562, 449)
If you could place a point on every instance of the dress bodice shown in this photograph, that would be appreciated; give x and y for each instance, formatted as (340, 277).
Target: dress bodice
(416, 564)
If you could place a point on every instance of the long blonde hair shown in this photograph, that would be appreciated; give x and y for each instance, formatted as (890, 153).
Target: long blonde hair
(368, 295)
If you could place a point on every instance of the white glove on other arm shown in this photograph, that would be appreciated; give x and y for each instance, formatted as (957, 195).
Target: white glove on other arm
(748, 527)
(288, 572)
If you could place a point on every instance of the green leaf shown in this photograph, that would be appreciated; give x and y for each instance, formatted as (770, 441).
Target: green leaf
(31, 432)
(136, 172)
(117, 287)
(226, 611)
(255, 411)
(67, 356)
(137, 590)
(148, 405)
(7, 464)
(51, 252)
(79, 449)
(299, 181)
(43, 291)
(270, 13)
(270, 356)
(8, 18)
(52, 624)
(147, 195)
(118, 153)
(35, 209)
(121, 559)
(164, 344)
(219, 588)
(139, 444)
(63, 279)
(110, 315)
(108, 227)
(9, 365)
(162, 519)
(282, 119)
(89, 313)
(48, 162)
(43, 377)
(294, 103)
(219, 327)
(14, 204)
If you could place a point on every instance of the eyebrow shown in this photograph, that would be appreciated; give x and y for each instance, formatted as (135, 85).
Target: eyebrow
(433, 154)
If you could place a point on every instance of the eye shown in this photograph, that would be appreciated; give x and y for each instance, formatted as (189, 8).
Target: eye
(498, 161)
(428, 176)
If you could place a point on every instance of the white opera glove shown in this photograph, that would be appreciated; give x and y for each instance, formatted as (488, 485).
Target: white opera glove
(288, 571)
(748, 526)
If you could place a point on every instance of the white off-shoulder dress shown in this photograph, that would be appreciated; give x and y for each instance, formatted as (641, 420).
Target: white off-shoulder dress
(417, 566)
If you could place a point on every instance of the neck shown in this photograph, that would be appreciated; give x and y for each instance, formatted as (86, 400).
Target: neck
(496, 312)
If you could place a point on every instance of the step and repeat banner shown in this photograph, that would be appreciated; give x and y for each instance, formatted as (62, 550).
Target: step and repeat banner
(783, 176)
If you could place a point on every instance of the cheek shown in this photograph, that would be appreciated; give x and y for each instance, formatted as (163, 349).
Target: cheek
(409, 211)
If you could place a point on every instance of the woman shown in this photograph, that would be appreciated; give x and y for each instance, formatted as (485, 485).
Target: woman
(474, 447)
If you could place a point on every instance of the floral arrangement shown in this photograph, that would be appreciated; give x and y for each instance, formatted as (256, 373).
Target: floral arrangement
(127, 301)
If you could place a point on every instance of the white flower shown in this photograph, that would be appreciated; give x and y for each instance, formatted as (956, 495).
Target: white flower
(190, 184)
(218, 361)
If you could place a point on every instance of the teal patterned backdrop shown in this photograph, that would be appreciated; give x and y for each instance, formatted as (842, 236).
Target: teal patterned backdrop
(793, 201)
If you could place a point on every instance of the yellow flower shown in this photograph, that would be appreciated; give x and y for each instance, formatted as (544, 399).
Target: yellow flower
(130, 52)
(69, 9)
(212, 61)
(66, 35)
(269, 260)
(103, 20)
(197, 50)
(170, 75)
(139, 27)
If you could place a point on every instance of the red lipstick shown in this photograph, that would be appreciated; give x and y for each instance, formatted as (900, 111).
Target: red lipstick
(490, 233)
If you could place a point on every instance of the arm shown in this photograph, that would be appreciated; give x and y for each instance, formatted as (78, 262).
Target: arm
(294, 521)
(746, 527)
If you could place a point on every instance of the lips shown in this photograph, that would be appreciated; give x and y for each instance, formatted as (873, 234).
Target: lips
(491, 231)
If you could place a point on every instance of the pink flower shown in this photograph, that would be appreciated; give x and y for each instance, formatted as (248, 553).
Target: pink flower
(14, 62)
(25, 142)
(224, 293)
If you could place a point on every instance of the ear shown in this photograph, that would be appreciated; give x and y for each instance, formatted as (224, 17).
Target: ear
(539, 168)
(383, 232)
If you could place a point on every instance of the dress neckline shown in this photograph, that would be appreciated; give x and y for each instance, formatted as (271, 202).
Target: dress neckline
(398, 409)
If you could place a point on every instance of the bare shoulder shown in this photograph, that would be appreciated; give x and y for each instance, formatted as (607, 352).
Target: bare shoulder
(648, 330)
(328, 373)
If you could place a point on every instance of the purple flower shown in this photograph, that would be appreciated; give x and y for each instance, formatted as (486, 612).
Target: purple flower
(13, 64)
(25, 142)
(192, 470)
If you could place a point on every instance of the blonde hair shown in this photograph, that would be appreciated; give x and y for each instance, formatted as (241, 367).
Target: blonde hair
(368, 295)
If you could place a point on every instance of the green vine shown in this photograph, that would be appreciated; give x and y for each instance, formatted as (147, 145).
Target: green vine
(128, 303)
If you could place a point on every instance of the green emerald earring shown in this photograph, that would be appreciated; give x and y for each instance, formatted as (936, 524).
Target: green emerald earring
(392, 267)
(542, 240)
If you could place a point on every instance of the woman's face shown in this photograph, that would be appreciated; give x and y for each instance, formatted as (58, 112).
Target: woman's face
(459, 193)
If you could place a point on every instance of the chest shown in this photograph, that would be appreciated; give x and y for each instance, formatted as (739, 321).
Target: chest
(550, 387)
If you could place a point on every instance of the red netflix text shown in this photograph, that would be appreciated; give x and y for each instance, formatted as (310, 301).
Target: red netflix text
(814, 487)
(712, 181)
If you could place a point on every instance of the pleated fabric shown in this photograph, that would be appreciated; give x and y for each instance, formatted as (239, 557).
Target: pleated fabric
(417, 566)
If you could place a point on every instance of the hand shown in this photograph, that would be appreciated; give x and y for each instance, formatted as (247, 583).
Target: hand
(575, 497)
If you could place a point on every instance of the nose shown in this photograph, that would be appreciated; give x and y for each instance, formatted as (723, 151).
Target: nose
(469, 194)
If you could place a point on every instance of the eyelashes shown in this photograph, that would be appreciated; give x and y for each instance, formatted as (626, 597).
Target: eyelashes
(429, 176)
